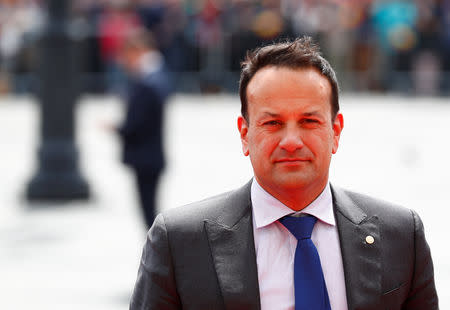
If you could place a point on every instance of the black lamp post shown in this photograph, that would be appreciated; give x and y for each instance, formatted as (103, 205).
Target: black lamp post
(57, 177)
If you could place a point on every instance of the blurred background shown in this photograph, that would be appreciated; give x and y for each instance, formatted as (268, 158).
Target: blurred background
(82, 251)
(374, 45)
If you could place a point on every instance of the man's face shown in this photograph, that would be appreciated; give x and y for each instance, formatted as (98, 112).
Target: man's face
(291, 135)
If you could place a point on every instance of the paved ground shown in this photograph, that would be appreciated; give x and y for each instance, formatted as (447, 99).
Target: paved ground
(85, 255)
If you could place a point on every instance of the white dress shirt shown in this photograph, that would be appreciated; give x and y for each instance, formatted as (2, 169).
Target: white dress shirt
(275, 249)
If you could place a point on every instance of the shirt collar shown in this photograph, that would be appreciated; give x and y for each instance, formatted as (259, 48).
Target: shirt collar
(267, 209)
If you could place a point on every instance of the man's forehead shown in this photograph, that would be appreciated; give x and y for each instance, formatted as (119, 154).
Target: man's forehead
(304, 112)
(267, 70)
(266, 78)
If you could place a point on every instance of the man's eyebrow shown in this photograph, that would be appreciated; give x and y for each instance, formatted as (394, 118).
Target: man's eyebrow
(271, 114)
(312, 113)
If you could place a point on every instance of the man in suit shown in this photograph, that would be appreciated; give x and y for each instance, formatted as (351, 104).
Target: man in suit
(141, 131)
(235, 250)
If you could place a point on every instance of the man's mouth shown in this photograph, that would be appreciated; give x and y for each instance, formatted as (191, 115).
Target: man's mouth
(291, 160)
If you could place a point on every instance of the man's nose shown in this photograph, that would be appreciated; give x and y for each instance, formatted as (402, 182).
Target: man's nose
(291, 139)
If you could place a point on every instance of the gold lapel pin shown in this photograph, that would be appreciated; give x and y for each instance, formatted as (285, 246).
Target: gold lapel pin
(370, 240)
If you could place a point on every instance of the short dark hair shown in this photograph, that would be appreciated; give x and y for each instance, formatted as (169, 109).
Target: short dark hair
(300, 53)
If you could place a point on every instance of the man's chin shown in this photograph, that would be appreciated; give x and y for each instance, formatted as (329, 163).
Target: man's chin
(293, 182)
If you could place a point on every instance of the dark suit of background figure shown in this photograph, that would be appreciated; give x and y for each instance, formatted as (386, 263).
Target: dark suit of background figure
(142, 134)
(202, 256)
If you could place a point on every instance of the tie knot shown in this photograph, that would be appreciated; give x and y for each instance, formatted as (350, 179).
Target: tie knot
(300, 227)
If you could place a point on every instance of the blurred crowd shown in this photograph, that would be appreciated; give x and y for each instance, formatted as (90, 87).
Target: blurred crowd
(374, 45)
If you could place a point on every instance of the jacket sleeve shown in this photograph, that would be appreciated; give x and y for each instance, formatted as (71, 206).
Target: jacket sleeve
(155, 286)
(422, 294)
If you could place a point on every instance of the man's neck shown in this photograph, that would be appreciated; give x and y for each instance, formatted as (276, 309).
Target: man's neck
(299, 198)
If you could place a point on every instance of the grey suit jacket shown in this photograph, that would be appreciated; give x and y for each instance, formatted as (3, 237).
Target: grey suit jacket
(202, 256)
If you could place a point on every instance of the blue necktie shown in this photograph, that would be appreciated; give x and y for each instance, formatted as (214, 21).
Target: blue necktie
(310, 289)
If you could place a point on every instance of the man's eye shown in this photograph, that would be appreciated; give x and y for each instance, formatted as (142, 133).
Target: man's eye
(310, 121)
(272, 123)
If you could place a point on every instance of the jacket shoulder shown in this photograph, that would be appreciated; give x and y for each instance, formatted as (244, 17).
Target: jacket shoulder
(225, 209)
(373, 204)
(390, 214)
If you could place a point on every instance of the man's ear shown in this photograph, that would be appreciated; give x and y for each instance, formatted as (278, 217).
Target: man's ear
(338, 125)
(243, 131)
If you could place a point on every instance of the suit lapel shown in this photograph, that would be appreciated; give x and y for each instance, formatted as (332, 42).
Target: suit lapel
(362, 260)
(233, 251)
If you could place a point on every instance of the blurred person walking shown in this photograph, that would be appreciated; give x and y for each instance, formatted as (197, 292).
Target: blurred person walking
(147, 91)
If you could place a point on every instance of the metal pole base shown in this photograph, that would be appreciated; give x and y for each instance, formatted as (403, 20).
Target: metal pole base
(59, 187)
(58, 178)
